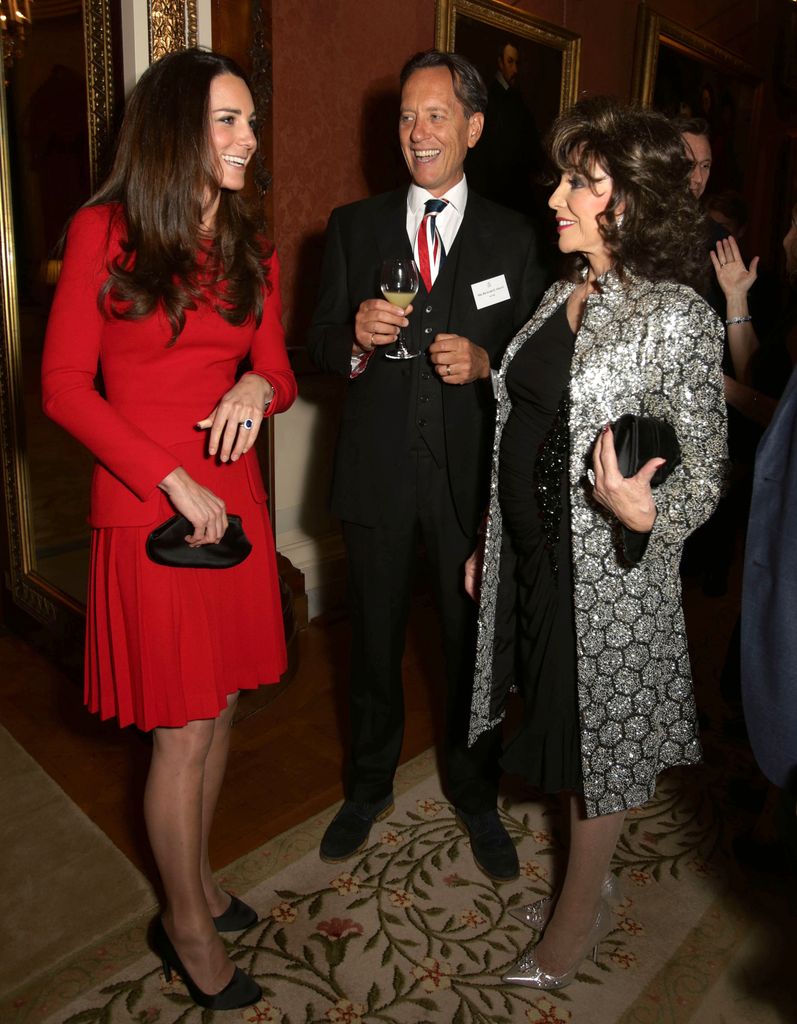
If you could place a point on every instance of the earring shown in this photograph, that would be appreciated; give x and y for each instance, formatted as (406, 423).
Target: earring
(618, 220)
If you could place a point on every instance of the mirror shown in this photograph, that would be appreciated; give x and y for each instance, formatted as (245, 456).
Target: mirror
(56, 107)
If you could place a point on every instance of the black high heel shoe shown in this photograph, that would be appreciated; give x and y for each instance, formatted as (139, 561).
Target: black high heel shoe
(239, 991)
(236, 917)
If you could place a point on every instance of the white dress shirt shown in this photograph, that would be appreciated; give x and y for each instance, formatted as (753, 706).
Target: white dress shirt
(448, 221)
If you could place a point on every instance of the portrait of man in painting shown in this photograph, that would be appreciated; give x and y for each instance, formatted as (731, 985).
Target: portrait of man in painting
(523, 79)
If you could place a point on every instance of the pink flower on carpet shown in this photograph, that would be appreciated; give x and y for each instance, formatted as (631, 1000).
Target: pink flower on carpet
(346, 884)
(546, 1012)
(345, 1012)
(452, 880)
(339, 928)
(400, 898)
(169, 986)
(702, 868)
(630, 926)
(429, 808)
(432, 974)
(640, 877)
(542, 838)
(624, 960)
(472, 919)
(533, 869)
(390, 838)
(284, 913)
(262, 1013)
(651, 838)
(149, 1015)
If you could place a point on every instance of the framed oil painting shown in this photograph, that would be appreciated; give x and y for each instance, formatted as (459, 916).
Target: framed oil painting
(530, 67)
(680, 72)
(549, 56)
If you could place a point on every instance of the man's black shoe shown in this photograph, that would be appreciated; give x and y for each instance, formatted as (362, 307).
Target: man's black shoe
(493, 850)
(348, 831)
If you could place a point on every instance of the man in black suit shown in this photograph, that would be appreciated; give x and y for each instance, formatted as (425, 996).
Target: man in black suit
(413, 453)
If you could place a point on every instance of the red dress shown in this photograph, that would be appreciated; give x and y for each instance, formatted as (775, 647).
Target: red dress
(163, 646)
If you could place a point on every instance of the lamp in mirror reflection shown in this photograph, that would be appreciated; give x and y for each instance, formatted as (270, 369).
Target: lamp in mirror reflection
(15, 20)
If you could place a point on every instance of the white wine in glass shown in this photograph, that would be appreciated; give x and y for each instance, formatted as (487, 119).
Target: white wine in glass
(399, 284)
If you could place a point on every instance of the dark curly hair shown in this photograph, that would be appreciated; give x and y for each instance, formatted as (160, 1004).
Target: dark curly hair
(162, 174)
(662, 234)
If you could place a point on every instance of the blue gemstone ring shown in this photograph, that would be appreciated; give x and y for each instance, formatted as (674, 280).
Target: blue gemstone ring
(248, 424)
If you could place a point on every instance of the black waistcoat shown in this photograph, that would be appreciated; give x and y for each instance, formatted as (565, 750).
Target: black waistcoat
(430, 316)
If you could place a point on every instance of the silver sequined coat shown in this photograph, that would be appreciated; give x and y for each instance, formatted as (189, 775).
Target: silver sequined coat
(651, 348)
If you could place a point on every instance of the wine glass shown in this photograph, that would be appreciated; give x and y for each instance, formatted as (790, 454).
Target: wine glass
(399, 284)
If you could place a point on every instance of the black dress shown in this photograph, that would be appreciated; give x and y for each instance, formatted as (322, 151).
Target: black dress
(533, 491)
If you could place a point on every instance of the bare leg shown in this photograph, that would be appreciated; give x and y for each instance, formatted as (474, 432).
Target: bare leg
(173, 813)
(592, 844)
(215, 766)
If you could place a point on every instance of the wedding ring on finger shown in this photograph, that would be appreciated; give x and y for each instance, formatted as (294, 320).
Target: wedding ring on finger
(248, 423)
(591, 476)
(448, 371)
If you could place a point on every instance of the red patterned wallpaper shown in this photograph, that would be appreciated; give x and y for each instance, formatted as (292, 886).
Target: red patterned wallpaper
(336, 65)
(335, 95)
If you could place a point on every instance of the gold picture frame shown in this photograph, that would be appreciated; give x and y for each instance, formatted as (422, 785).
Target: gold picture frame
(683, 73)
(557, 87)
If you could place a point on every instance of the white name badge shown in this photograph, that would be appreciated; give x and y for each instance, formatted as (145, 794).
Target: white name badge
(489, 292)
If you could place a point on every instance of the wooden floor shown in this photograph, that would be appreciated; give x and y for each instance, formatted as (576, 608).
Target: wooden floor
(286, 762)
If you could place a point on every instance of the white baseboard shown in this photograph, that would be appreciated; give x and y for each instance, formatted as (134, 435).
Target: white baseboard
(322, 560)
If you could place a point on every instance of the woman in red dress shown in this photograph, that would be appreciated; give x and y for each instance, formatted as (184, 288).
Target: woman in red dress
(167, 286)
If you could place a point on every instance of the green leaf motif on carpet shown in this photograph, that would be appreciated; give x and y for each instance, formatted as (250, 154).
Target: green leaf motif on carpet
(410, 931)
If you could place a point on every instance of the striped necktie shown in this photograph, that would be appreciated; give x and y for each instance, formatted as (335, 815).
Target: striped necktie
(431, 252)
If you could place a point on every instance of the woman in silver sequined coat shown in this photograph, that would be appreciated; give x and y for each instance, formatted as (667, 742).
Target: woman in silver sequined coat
(641, 341)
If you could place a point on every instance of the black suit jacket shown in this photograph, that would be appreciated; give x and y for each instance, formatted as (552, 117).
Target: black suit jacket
(491, 241)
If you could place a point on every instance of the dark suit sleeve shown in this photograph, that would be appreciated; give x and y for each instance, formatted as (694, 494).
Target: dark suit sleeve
(331, 333)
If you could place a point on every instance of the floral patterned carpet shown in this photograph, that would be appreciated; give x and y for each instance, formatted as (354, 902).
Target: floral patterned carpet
(411, 931)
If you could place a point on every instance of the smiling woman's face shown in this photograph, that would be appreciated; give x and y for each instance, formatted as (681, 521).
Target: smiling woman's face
(577, 203)
(232, 121)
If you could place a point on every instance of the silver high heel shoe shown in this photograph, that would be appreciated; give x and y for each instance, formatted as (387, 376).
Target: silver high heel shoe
(526, 971)
(537, 914)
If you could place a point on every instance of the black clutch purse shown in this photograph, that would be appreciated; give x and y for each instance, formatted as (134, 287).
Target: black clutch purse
(637, 439)
(166, 545)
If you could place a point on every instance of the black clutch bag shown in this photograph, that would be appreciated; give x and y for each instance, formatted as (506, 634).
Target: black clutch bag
(166, 545)
(637, 439)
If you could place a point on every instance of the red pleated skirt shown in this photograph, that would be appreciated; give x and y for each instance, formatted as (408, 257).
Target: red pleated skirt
(167, 646)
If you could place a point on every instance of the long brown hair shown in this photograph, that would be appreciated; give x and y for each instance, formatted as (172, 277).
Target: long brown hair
(662, 233)
(162, 174)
